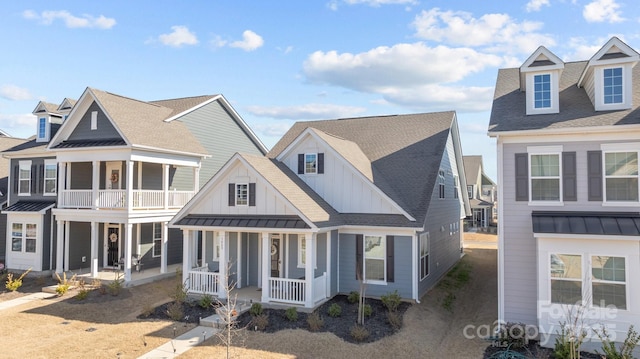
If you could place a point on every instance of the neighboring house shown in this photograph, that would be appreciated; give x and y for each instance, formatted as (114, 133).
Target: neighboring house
(482, 192)
(96, 187)
(374, 198)
(568, 137)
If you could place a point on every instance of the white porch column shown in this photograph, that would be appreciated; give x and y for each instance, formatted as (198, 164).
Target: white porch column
(95, 184)
(60, 247)
(129, 189)
(222, 264)
(239, 261)
(128, 243)
(94, 249)
(196, 179)
(165, 241)
(186, 254)
(66, 246)
(165, 185)
(266, 288)
(62, 179)
(328, 266)
(309, 268)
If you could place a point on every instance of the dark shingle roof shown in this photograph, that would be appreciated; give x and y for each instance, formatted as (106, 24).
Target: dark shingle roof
(90, 143)
(576, 110)
(244, 221)
(593, 223)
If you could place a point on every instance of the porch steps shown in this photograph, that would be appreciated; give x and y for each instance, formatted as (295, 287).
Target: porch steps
(214, 321)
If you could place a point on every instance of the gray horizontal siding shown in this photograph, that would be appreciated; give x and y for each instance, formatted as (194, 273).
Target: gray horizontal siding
(37, 176)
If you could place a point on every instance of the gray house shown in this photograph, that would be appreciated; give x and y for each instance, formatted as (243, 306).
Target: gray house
(94, 191)
(568, 137)
(374, 198)
(483, 195)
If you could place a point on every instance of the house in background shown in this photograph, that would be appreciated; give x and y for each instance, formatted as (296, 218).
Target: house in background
(334, 202)
(483, 195)
(568, 137)
(95, 189)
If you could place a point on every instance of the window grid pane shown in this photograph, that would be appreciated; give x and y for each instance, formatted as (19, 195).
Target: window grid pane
(545, 177)
(310, 161)
(16, 237)
(242, 194)
(50, 173)
(542, 91)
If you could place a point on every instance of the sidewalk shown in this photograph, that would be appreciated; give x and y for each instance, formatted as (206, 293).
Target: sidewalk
(25, 299)
(181, 344)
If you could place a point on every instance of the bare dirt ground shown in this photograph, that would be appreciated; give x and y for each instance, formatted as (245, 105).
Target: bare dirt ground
(60, 328)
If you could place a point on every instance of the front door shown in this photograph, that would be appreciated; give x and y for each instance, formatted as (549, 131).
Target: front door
(275, 255)
(112, 240)
(113, 179)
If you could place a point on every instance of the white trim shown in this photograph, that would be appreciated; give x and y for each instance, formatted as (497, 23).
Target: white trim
(383, 245)
(543, 151)
(315, 154)
(501, 256)
(50, 162)
(554, 79)
(26, 165)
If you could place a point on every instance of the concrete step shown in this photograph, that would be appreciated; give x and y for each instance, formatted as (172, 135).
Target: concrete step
(215, 321)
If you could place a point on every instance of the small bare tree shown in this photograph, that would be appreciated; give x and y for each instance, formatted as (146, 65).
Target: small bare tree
(227, 312)
(361, 298)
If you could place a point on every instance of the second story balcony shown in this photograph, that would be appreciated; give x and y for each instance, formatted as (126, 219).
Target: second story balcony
(117, 199)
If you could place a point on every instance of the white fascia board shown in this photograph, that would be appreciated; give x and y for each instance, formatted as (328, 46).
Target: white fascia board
(614, 41)
(585, 237)
(164, 158)
(246, 229)
(555, 134)
(93, 154)
(558, 63)
(462, 176)
(166, 151)
(28, 155)
(407, 231)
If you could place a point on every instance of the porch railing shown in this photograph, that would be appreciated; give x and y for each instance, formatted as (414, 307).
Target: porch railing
(201, 281)
(294, 290)
(117, 199)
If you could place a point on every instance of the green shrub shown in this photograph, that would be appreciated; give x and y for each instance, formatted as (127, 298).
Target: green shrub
(359, 333)
(175, 311)
(391, 301)
(335, 310)
(353, 297)
(147, 310)
(394, 319)
(367, 310)
(315, 322)
(115, 287)
(206, 301)
(609, 349)
(260, 322)
(256, 309)
(512, 335)
(82, 294)
(291, 314)
(13, 284)
(64, 283)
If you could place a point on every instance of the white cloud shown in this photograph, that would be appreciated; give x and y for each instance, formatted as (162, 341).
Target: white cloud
(22, 125)
(313, 111)
(536, 5)
(443, 98)
(71, 21)
(180, 36)
(15, 93)
(602, 11)
(250, 41)
(273, 129)
(494, 32)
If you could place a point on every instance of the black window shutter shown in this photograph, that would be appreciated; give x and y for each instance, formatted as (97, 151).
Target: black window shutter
(320, 162)
(34, 178)
(390, 265)
(569, 189)
(41, 180)
(232, 194)
(594, 175)
(522, 177)
(16, 178)
(359, 256)
(301, 163)
(252, 194)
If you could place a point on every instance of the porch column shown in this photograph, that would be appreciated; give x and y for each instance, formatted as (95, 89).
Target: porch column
(94, 249)
(163, 251)
(129, 191)
(60, 247)
(165, 185)
(328, 266)
(66, 246)
(266, 288)
(223, 264)
(309, 268)
(186, 254)
(62, 179)
(127, 249)
(196, 179)
(95, 184)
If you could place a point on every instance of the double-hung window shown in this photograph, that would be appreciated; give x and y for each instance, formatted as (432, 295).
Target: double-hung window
(456, 186)
(608, 283)
(42, 129)
(542, 91)
(50, 177)
(242, 194)
(424, 255)
(545, 177)
(441, 182)
(621, 176)
(374, 258)
(23, 237)
(612, 85)
(311, 163)
(157, 239)
(24, 178)
(566, 278)
(470, 191)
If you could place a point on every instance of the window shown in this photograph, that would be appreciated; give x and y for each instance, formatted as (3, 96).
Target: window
(545, 177)
(302, 251)
(216, 247)
(456, 186)
(310, 163)
(94, 120)
(242, 194)
(42, 128)
(612, 80)
(566, 278)
(470, 191)
(374, 258)
(441, 184)
(50, 177)
(621, 176)
(23, 237)
(24, 178)
(424, 255)
(157, 239)
(608, 281)
(542, 91)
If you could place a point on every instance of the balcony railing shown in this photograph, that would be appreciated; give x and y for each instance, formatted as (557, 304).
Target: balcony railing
(117, 199)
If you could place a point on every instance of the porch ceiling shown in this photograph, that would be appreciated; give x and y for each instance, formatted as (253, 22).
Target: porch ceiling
(246, 221)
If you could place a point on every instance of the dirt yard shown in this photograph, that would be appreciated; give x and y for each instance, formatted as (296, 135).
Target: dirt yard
(60, 328)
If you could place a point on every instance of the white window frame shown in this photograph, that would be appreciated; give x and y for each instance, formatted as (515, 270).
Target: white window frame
(239, 200)
(315, 169)
(626, 88)
(531, 97)
(49, 179)
(23, 236)
(383, 245)
(441, 184)
(43, 133)
(545, 150)
(157, 240)
(535, 91)
(470, 191)
(603, 281)
(94, 120)
(606, 177)
(423, 248)
(581, 279)
(302, 251)
(604, 86)
(24, 166)
(613, 148)
(216, 247)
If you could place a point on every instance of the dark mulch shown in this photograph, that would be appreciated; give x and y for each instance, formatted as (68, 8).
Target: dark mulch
(532, 350)
(192, 312)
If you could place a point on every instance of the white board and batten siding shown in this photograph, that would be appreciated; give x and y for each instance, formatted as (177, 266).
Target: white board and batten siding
(340, 185)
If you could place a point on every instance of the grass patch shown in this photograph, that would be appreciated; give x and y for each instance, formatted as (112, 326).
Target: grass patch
(455, 279)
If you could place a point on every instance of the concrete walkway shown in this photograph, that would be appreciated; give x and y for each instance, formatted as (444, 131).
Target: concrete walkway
(25, 299)
(182, 343)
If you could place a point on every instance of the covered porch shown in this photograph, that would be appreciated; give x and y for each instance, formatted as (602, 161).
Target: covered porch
(270, 261)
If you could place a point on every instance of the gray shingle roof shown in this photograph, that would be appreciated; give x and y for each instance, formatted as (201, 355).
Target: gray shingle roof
(179, 105)
(472, 165)
(576, 110)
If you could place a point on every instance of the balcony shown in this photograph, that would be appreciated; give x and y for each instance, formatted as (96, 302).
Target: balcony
(117, 199)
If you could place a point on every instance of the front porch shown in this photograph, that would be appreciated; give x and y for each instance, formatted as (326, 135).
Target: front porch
(137, 277)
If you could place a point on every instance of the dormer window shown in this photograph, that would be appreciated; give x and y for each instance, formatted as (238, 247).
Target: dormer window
(539, 79)
(542, 91)
(612, 79)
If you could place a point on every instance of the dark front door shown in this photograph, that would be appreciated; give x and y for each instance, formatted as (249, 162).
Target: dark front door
(113, 238)
(275, 256)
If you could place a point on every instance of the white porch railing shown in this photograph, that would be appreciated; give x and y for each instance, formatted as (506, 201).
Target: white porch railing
(142, 199)
(75, 198)
(320, 287)
(294, 290)
(201, 281)
(179, 198)
(110, 198)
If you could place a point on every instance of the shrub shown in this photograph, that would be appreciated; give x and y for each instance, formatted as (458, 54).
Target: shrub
(115, 287)
(260, 322)
(291, 314)
(609, 349)
(353, 297)
(568, 342)
(13, 284)
(147, 310)
(64, 283)
(367, 310)
(179, 293)
(391, 301)
(335, 310)
(315, 322)
(82, 294)
(256, 309)
(175, 311)
(512, 335)
(206, 301)
(359, 333)
(394, 319)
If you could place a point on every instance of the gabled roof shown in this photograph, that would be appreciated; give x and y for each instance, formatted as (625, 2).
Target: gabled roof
(349, 150)
(66, 104)
(45, 107)
(614, 51)
(541, 60)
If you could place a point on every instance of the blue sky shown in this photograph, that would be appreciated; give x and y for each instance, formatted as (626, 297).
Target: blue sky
(286, 61)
